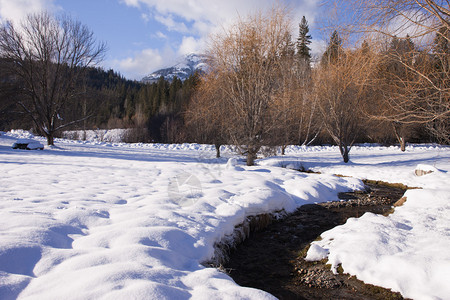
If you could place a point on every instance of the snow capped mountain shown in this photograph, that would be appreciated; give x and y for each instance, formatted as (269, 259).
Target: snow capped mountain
(183, 69)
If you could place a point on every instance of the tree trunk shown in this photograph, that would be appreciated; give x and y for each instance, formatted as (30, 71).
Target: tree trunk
(400, 137)
(402, 144)
(217, 150)
(251, 156)
(50, 141)
(283, 150)
(345, 152)
(345, 156)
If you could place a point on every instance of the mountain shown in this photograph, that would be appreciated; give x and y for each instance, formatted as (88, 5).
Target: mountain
(183, 69)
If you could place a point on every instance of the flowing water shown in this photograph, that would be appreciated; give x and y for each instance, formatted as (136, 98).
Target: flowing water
(272, 259)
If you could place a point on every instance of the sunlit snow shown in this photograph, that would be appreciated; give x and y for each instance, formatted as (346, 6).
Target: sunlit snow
(97, 220)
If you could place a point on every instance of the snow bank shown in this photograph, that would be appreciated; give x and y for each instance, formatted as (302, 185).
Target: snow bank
(19, 134)
(101, 220)
(422, 170)
(387, 164)
(88, 220)
(406, 251)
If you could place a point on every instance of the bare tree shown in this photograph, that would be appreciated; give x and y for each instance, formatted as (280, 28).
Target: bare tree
(205, 117)
(48, 57)
(418, 18)
(293, 105)
(392, 79)
(247, 59)
(284, 106)
(339, 86)
(423, 97)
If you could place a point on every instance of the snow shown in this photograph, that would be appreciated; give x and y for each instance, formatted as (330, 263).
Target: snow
(425, 168)
(183, 68)
(85, 220)
(99, 135)
(28, 144)
(406, 251)
(100, 220)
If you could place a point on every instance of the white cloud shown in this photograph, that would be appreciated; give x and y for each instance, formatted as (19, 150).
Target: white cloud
(318, 47)
(161, 35)
(189, 45)
(418, 26)
(197, 19)
(143, 62)
(146, 17)
(204, 16)
(171, 24)
(16, 10)
(134, 3)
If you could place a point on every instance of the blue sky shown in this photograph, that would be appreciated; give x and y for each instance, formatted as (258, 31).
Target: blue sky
(146, 35)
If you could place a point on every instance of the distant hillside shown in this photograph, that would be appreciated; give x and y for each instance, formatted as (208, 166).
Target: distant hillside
(185, 68)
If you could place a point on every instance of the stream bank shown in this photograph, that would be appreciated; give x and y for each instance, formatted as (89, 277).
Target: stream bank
(271, 259)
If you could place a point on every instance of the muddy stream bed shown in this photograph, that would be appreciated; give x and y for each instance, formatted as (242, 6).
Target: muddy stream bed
(271, 259)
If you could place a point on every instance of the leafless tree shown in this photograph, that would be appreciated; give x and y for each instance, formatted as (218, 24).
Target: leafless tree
(286, 108)
(285, 105)
(340, 89)
(48, 56)
(392, 79)
(246, 58)
(422, 97)
(206, 116)
(294, 106)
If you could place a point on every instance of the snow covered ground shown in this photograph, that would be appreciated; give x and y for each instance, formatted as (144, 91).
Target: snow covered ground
(94, 220)
(409, 251)
(99, 135)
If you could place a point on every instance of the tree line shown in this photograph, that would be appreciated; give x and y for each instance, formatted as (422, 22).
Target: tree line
(263, 88)
(106, 100)
(380, 89)
(50, 83)
(152, 111)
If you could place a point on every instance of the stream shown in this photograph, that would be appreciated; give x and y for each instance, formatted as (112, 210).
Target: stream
(271, 259)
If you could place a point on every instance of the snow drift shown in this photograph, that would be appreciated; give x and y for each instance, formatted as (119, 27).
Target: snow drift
(98, 220)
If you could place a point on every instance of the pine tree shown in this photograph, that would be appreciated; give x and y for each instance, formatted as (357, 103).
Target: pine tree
(303, 41)
(334, 49)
